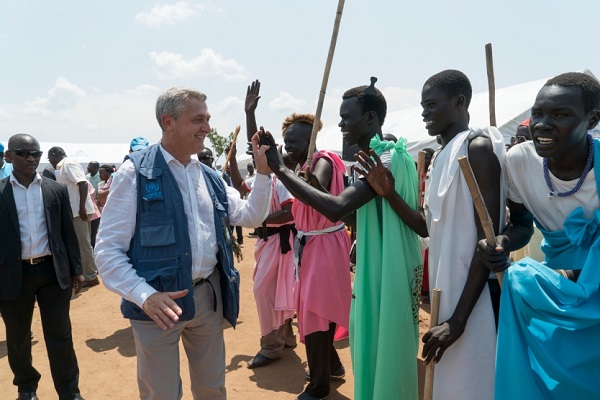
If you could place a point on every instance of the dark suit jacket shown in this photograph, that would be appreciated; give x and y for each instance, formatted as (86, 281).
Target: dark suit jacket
(61, 237)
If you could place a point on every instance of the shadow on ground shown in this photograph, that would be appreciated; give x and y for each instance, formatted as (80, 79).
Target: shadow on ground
(122, 340)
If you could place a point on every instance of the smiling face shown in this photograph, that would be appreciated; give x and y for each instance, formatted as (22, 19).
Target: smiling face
(559, 123)
(440, 112)
(297, 139)
(184, 135)
(354, 123)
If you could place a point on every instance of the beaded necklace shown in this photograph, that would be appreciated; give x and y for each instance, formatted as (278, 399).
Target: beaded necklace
(586, 170)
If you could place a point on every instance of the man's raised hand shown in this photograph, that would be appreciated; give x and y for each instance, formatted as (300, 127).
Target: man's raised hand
(377, 175)
(252, 97)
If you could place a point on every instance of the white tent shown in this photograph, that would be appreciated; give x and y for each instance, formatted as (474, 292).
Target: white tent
(513, 105)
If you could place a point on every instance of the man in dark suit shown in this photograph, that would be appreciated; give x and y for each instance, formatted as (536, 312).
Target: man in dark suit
(39, 260)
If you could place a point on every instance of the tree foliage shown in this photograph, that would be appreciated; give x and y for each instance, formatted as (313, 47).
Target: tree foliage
(219, 143)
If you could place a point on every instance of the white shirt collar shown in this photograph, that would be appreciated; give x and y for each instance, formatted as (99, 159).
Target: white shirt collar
(168, 157)
(37, 178)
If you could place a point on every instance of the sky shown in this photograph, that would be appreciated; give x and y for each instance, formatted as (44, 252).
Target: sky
(90, 71)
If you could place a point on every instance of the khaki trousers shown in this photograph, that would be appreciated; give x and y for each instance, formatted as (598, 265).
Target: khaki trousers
(272, 344)
(158, 351)
(82, 230)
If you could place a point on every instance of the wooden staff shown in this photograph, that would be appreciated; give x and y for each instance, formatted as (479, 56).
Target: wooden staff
(489, 60)
(421, 172)
(433, 321)
(484, 215)
(315, 129)
(235, 135)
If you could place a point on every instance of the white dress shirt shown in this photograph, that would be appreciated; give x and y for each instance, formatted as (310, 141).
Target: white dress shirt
(32, 221)
(117, 225)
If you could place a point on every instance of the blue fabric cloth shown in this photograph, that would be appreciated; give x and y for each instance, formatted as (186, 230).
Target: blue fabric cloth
(550, 326)
(5, 170)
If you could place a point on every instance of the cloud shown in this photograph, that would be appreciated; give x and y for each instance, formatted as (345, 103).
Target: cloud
(4, 115)
(285, 101)
(230, 104)
(60, 98)
(169, 14)
(172, 66)
(143, 90)
(400, 99)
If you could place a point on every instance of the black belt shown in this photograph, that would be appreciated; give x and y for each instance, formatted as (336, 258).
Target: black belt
(199, 282)
(284, 237)
(38, 260)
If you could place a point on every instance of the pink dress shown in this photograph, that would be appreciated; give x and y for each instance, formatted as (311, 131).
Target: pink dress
(274, 272)
(323, 292)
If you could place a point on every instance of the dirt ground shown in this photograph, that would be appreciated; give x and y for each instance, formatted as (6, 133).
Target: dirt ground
(106, 353)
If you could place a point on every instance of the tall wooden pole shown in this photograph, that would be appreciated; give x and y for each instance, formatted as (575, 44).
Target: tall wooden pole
(482, 211)
(315, 130)
(489, 61)
(434, 316)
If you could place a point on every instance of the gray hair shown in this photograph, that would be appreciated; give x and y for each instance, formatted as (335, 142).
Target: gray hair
(172, 102)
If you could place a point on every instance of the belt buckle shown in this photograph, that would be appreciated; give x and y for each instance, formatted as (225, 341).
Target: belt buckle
(35, 260)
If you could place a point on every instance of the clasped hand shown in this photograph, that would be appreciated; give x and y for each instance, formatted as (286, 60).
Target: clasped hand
(496, 258)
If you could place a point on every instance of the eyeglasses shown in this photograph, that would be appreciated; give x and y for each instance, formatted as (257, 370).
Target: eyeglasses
(517, 139)
(26, 153)
(206, 158)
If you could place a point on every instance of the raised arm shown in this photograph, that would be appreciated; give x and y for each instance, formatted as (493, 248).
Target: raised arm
(332, 207)
(382, 181)
(487, 171)
(252, 97)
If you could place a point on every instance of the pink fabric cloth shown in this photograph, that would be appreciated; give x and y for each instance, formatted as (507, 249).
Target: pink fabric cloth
(323, 293)
(273, 277)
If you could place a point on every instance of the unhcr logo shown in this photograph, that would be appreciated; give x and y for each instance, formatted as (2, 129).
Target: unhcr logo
(153, 191)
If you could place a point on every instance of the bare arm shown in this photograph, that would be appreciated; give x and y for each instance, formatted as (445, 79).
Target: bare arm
(83, 193)
(332, 207)
(282, 216)
(486, 169)
(236, 178)
(382, 181)
(252, 97)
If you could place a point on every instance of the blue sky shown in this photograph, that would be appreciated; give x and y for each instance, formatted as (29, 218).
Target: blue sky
(90, 71)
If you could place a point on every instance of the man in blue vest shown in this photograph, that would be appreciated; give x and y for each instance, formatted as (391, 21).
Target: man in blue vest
(164, 246)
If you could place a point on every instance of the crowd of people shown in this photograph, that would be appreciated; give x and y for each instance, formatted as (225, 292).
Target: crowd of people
(159, 232)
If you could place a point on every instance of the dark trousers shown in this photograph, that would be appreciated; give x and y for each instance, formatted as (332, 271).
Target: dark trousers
(94, 231)
(322, 358)
(495, 293)
(39, 282)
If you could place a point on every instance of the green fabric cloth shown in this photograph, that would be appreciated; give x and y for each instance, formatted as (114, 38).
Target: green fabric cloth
(384, 317)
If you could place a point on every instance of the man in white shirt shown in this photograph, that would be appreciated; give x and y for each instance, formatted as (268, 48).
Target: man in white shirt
(39, 262)
(165, 248)
(70, 172)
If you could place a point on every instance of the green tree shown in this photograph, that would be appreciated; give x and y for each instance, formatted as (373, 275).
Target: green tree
(219, 143)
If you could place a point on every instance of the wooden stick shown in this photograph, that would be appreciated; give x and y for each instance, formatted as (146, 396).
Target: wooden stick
(489, 60)
(235, 135)
(482, 211)
(434, 316)
(315, 129)
(421, 172)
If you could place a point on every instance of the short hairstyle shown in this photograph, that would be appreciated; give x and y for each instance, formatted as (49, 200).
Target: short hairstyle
(57, 151)
(369, 102)
(172, 102)
(308, 119)
(590, 88)
(107, 168)
(452, 82)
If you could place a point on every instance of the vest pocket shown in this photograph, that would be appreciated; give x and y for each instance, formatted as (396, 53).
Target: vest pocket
(161, 274)
(157, 229)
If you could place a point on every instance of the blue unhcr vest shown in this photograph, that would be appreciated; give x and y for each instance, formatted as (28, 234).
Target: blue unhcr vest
(160, 250)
